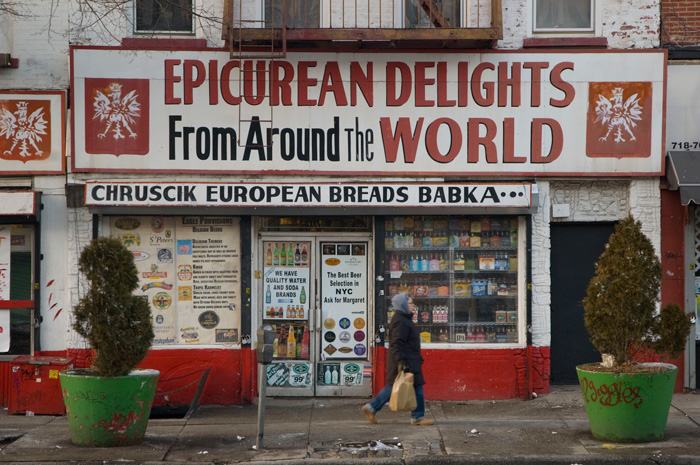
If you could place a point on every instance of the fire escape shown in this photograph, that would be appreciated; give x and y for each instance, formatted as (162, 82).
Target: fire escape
(256, 32)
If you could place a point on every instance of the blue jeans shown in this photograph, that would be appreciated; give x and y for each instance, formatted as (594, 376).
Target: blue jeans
(384, 395)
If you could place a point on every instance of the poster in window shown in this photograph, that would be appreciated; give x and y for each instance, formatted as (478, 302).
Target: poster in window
(208, 279)
(189, 274)
(344, 300)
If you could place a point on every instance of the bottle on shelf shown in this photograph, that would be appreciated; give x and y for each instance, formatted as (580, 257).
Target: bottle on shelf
(418, 223)
(297, 348)
(459, 262)
(335, 375)
(496, 239)
(291, 343)
(268, 255)
(276, 255)
(389, 240)
(282, 345)
(305, 345)
(418, 240)
(434, 263)
(394, 263)
(424, 263)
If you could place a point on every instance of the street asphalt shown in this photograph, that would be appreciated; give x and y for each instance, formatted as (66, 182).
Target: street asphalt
(550, 429)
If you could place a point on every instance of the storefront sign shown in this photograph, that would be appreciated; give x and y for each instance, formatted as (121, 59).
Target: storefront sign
(32, 132)
(308, 195)
(344, 303)
(17, 203)
(519, 113)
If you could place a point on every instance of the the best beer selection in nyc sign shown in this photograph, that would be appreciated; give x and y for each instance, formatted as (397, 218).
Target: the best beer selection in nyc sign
(453, 113)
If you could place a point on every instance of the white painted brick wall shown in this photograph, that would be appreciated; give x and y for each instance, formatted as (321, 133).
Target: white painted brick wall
(604, 200)
(40, 43)
(625, 23)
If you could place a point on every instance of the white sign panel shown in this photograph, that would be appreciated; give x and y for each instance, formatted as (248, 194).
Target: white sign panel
(17, 203)
(453, 113)
(344, 304)
(308, 195)
(682, 128)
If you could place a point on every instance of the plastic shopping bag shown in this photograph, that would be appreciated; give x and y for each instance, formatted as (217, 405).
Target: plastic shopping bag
(403, 395)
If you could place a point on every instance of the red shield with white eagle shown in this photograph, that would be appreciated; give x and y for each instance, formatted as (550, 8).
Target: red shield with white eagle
(619, 121)
(25, 129)
(116, 116)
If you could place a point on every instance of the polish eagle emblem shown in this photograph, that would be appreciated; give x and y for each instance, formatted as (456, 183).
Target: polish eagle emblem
(24, 130)
(115, 112)
(619, 116)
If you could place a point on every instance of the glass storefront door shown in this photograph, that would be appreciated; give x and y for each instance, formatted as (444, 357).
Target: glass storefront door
(315, 291)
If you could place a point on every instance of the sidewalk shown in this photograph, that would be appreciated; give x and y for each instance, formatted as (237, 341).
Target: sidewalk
(551, 429)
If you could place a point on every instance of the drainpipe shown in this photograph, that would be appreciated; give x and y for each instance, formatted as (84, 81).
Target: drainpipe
(528, 308)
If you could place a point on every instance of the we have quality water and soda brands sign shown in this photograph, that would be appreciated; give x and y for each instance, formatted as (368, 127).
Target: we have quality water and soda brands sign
(453, 113)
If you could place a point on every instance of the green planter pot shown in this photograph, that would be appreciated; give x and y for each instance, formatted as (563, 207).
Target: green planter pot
(628, 407)
(108, 412)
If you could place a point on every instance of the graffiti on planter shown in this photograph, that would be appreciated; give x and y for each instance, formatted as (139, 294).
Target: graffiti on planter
(611, 395)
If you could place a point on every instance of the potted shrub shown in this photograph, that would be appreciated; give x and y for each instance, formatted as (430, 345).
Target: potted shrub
(109, 403)
(628, 401)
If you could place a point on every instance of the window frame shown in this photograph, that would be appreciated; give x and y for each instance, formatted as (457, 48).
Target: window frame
(138, 31)
(463, 6)
(25, 307)
(549, 30)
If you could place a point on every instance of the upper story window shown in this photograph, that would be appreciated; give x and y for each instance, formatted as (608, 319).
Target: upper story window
(299, 13)
(438, 13)
(164, 16)
(563, 15)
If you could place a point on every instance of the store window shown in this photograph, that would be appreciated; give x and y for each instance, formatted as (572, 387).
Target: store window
(416, 15)
(189, 270)
(164, 16)
(16, 286)
(563, 15)
(464, 274)
(297, 13)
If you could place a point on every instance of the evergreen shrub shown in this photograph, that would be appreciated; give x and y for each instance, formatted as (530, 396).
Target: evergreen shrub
(116, 323)
(620, 312)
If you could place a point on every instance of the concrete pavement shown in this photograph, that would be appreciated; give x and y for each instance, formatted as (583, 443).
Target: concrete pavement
(551, 429)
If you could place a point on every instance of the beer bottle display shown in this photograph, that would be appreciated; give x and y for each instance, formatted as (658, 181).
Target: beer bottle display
(268, 255)
(297, 348)
(276, 256)
(461, 271)
(291, 343)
